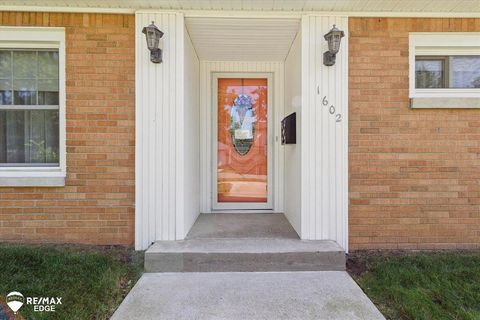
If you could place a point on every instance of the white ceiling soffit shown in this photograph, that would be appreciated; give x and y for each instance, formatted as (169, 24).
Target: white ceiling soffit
(220, 39)
(353, 7)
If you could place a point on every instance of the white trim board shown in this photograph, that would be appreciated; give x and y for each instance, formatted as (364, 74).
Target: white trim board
(300, 14)
(245, 13)
(207, 68)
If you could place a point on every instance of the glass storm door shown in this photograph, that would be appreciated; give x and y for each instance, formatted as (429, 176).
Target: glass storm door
(242, 146)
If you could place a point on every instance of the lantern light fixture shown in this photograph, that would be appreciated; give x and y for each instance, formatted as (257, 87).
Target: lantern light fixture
(333, 37)
(153, 35)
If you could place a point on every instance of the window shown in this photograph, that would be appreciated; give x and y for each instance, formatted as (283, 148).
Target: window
(32, 107)
(29, 126)
(445, 70)
(430, 72)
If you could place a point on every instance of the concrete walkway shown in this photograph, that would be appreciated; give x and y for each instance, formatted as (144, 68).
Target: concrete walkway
(247, 296)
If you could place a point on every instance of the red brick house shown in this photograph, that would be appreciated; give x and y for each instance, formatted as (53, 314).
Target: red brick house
(100, 145)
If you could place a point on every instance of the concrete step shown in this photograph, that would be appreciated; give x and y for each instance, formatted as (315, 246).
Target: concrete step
(244, 255)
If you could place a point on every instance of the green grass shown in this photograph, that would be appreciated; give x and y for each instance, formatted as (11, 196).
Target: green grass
(424, 285)
(91, 280)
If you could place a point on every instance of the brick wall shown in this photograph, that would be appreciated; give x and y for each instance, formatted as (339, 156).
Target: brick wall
(414, 174)
(97, 204)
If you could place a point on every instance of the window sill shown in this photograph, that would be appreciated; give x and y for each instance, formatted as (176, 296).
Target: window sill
(32, 179)
(445, 103)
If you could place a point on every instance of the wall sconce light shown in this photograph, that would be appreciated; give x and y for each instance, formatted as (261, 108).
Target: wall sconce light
(333, 37)
(153, 35)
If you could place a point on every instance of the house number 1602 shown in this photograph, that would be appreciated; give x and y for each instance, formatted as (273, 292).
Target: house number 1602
(331, 110)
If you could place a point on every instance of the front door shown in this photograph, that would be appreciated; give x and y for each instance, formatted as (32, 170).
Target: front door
(242, 145)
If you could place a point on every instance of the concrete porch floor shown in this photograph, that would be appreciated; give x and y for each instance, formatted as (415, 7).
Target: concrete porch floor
(243, 242)
(247, 295)
(242, 225)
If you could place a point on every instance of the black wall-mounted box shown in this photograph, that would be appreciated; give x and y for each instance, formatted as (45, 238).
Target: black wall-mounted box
(289, 129)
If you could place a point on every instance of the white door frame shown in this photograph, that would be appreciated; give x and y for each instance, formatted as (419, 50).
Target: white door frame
(207, 69)
(270, 141)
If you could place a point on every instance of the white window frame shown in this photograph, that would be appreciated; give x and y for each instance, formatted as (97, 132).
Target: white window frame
(442, 44)
(39, 38)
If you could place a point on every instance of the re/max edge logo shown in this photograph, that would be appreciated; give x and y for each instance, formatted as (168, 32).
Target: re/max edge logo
(15, 300)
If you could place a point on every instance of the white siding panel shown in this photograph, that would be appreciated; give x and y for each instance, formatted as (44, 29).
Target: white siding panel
(324, 140)
(191, 147)
(159, 109)
(206, 116)
(293, 94)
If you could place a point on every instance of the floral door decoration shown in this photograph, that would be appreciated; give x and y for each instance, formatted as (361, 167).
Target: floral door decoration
(242, 123)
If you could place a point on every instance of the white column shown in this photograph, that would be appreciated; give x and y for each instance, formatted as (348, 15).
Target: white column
(324, 133)
(159, 132)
